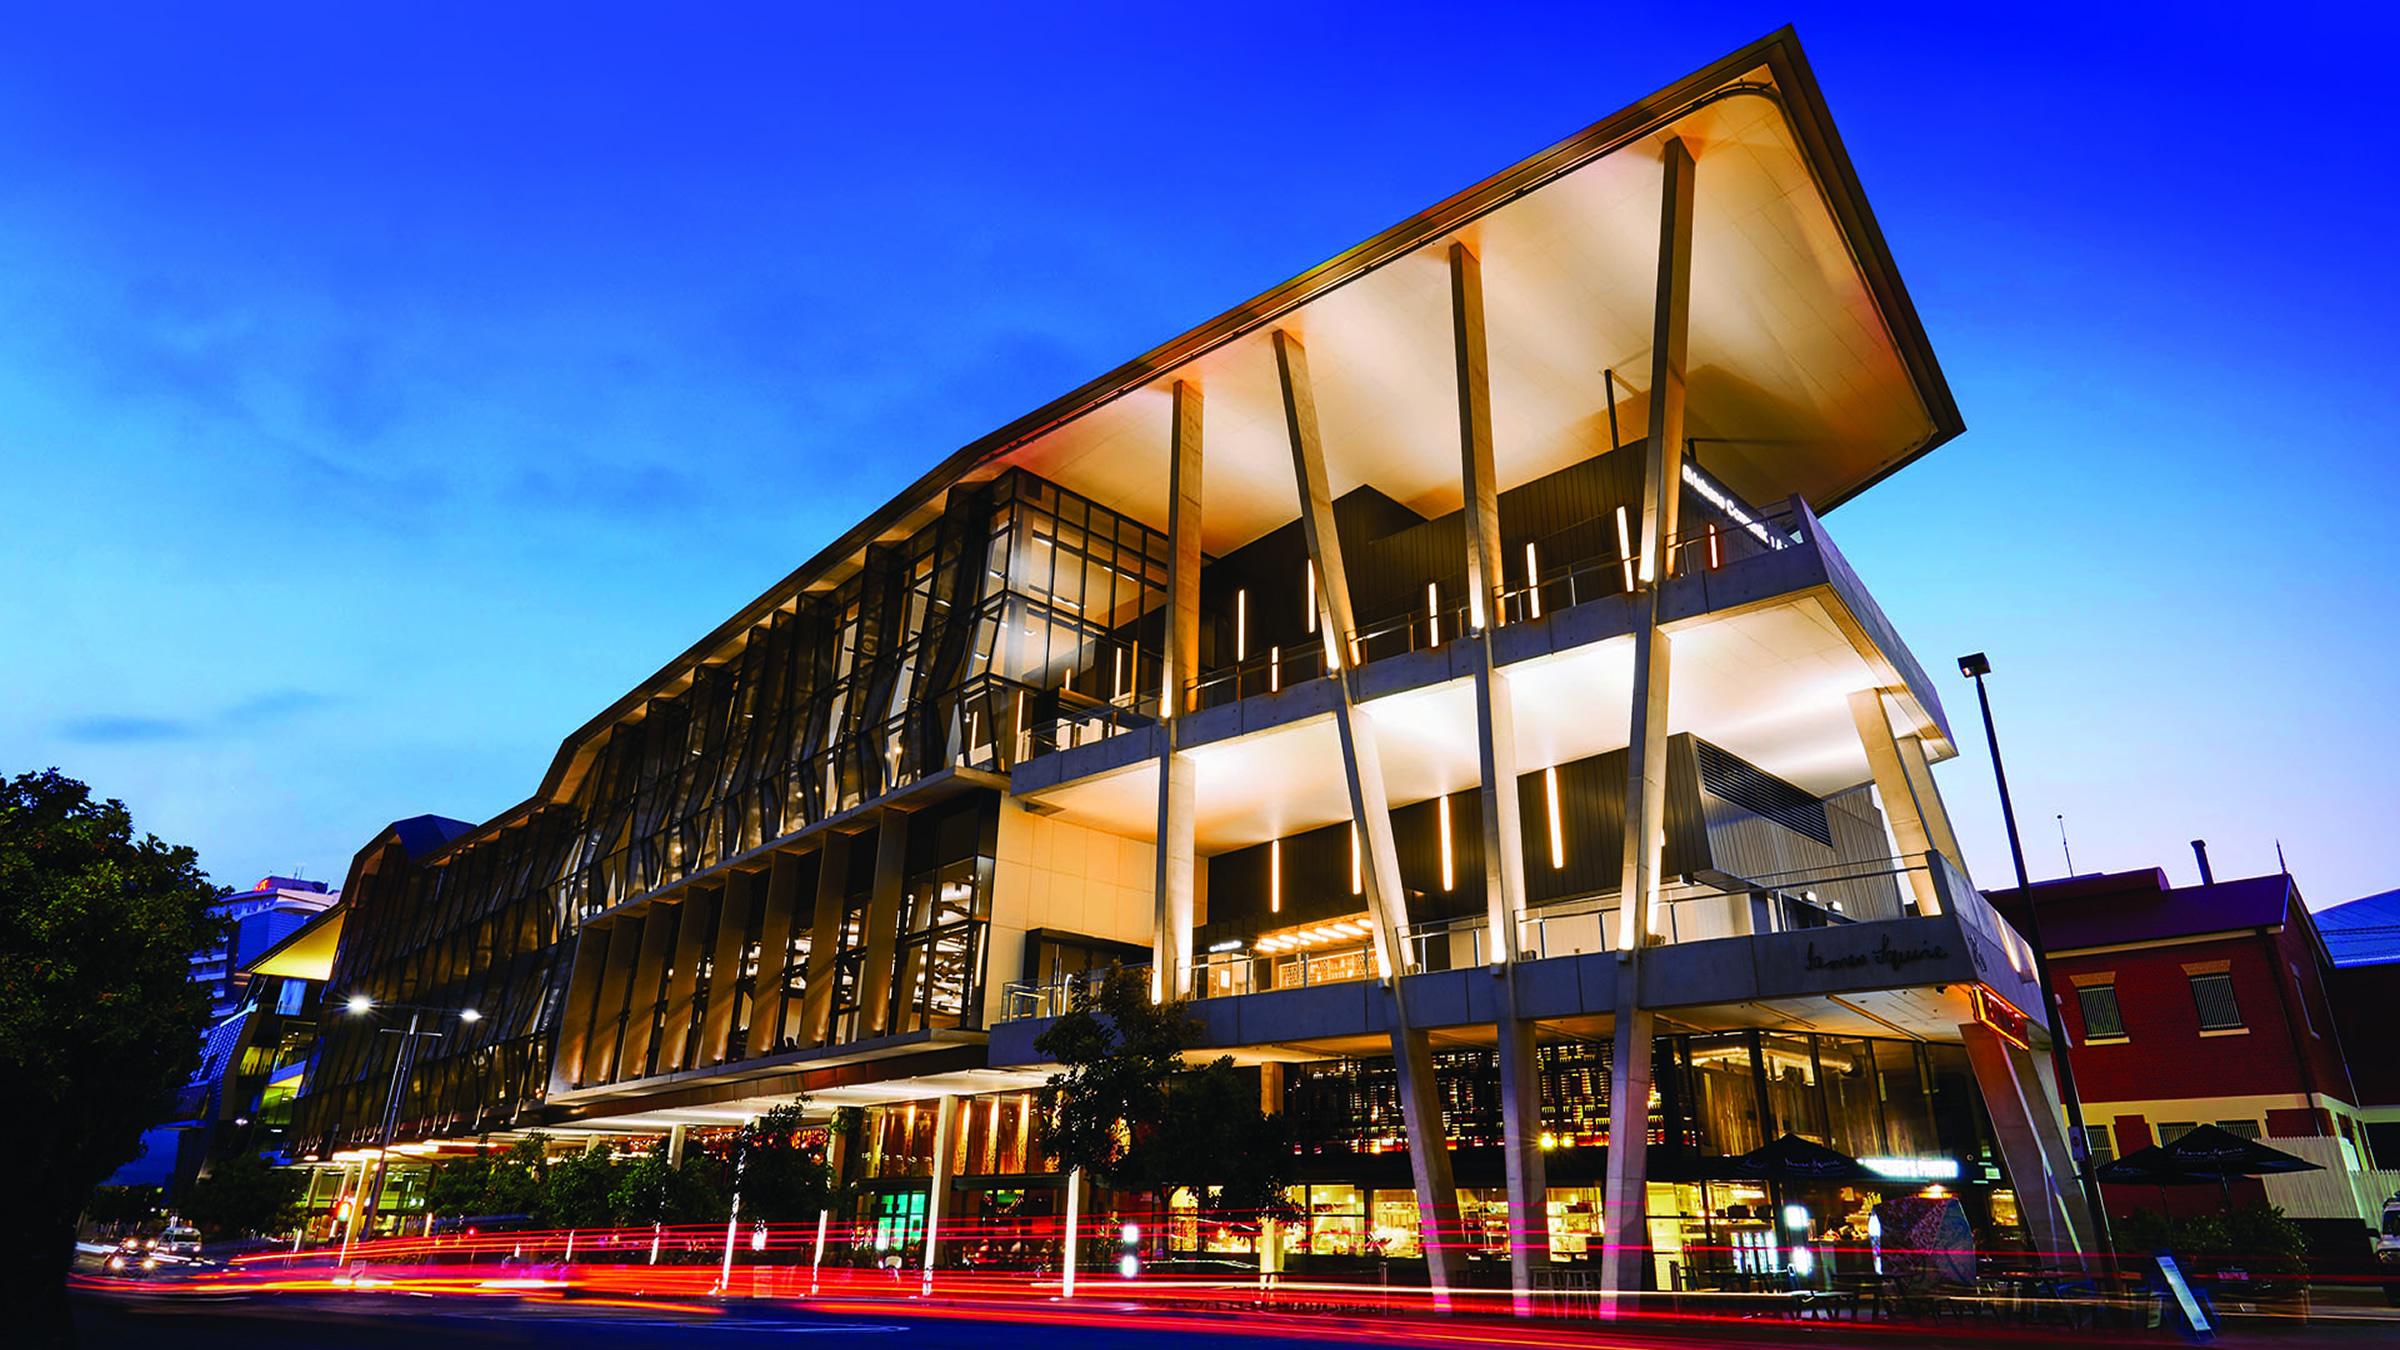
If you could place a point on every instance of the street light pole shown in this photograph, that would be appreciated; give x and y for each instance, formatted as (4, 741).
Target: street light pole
(372, 1196)
(1975, 667)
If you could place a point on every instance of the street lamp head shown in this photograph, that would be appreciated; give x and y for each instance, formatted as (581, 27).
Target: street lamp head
(469, 1015)
(1974, 664)
(360, 1003)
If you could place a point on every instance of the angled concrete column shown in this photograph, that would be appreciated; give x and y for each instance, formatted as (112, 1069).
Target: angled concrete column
(1527, 1168)
(1503, 832)
(883, 922)
(1178, 801)
(575, 1021)
(1370, 812)
(2022, 1113)
(742, 890)
(782, 901)
(1930, 811)
(683, 977)
(1646, 762)
(1903, 811)
(1625, 1205)
(674, 1146)
(1625, 1253)
(825, 940)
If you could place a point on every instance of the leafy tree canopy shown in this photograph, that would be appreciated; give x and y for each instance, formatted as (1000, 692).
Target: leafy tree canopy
(99, 1020)
(783, 1178)
(242, 1195)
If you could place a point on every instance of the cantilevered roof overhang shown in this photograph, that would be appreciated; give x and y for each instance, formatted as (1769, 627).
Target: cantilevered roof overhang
(1809, 371)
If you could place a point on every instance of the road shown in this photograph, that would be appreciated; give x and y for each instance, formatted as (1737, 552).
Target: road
(140, 1316)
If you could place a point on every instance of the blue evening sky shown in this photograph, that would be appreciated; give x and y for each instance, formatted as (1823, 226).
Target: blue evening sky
(381, 396)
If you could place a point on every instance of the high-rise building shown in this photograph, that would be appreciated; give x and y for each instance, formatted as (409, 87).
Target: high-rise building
(1344, 663)
(256, 919)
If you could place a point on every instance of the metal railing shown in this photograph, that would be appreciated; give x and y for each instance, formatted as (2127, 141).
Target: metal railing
(1021, 1000)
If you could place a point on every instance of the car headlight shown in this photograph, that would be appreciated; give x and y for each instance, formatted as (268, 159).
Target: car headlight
(116, 1262)
(149, 1263)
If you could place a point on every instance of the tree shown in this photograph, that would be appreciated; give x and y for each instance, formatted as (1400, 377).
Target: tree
(1116, 1051)
(575, 1193)
(514, 1184)
(242, 1195)
(99, 1020)
(782, 1179)
(652, 1190)
(1124, 1108)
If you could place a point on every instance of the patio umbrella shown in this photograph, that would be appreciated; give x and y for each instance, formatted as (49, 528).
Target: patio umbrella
(2202, 1155)
(1792, 1158)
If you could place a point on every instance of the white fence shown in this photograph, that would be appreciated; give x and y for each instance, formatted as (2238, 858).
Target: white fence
(2338, 1192)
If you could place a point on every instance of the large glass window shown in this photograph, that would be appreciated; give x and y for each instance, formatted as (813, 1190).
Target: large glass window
(1791, 1077)
(1724, 1095)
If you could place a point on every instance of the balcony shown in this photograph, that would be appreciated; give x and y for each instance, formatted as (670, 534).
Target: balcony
(1790, 960)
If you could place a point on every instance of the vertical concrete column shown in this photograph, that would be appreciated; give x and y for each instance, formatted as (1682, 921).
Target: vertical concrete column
(825, 940)
(937, 1197)
(2038, 1174)
(1370, 812)
(742, 891)
(1903, 811)
(575, 1022)
(1527, 1167)
(1178, 800)
(683, 978)
(608, 1014)
(1625, 1252)
(649, 975)
(781, 902)
(883, 922)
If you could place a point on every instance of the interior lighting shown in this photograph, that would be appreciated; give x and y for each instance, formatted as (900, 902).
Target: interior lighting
(1275, 670)
(1433, 614)
(1311, 588)
(1349, 930)
(1558, 836)
(1275, 876)
(1449, 859)
(1232, 945)
(1241, 625)
(1533, 582)
(1795, 1217)
(1625, 546)
(1358, 880)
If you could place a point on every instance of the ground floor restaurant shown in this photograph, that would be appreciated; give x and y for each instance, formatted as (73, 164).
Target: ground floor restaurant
(1907, 1109)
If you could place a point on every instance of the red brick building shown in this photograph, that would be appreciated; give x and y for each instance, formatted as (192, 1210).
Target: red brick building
(2210, 1004)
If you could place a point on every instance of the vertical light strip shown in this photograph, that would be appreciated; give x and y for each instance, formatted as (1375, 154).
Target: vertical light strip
(1449, 860)
(1625, 547)
(1533, 581)
(1358, 880)
(1433, 614)
(1312, 595)
(1241, 625)
(1715, 560)
(1274, 669)
(1558, 836)
(1274, 876)
(1116, 682)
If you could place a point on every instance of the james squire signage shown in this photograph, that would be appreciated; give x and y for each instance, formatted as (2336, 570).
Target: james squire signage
(1888, 954)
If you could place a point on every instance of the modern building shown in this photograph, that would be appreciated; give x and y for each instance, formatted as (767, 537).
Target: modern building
(2212, 1004)
(1346, 662)
(2363, 938)
(257, 919)
(253, 1060)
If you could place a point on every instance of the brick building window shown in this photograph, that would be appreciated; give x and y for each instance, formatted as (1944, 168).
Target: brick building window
(2096, 1136)
(2245, 1129)
(2213, 994)
(2172, 1130)
(2102, 1020)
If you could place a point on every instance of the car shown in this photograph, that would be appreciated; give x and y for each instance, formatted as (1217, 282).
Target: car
(180, 1241)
